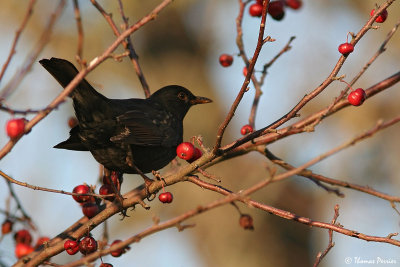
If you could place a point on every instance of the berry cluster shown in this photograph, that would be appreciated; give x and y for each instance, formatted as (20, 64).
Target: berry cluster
(23, 239)
(91, 205)
(382, 17)
(276, 8)
(188, 152)
(88, 245)
(109, 183)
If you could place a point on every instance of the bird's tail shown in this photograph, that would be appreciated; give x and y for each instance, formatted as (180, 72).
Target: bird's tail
(84, 95)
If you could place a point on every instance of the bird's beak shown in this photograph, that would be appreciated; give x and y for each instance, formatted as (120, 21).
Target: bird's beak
(200, 100)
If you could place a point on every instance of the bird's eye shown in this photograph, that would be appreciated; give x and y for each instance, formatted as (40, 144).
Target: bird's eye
(182, 96)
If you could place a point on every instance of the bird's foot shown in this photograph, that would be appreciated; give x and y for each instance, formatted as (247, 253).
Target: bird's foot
(123, 214)
(114, 179)
(159, 177)
(144, 205)
(147, 183)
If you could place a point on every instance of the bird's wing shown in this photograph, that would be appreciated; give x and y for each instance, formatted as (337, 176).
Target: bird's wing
(151, 128)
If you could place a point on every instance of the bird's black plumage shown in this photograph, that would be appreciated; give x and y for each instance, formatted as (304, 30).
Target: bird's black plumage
(122, 132)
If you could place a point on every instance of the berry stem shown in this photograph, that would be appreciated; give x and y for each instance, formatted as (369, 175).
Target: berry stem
(163, 189)
(343, 81)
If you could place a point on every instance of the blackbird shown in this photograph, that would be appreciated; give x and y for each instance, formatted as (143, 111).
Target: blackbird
(125, 135)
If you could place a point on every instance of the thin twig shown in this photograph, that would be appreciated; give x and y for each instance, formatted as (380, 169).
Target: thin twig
(17, 111)
(9, 179)
(250, 68)
(378, 127)
(380, 51)
(331, 244)
(305, 173)
(258, 84)
(133, 55)
(79, 26)
(126, 43)
(32, 57)
(285, 49)
(18, 33)
(239, 32)
(25, 216)
(317, 177)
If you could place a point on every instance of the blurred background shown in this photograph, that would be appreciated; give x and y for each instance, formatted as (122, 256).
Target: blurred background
(182, 47)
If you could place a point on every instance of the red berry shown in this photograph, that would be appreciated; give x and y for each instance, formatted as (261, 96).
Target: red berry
(346, 48)
(225, 60)
(256, 10)
(276, 10)
(246, 222)
(357, 97)
(107, 189)
(165, 197)
(23, 236)
(115, 178)
(81, 189)
(106, 265)
(6, 227)
(72, 122)
(71, 246)
(90, 209)
(21, 250)
(15, 127)
(41, 241)
(118, 252)
(185, 151)
(197, 155)
(87, 245)
(382, 17)
(245, 71)
(246, 129)
(294, 4)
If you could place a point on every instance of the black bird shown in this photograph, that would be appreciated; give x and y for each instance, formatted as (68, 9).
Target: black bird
(125, 135)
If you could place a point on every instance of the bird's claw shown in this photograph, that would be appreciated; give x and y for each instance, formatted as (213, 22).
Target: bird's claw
(151, 197)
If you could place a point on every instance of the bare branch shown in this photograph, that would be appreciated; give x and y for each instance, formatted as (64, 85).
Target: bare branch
(18, 33)
(32, 57)
(321, 255)
(80, 29)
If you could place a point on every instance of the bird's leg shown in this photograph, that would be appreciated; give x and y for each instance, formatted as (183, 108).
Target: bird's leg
(116, 186)
(147, 180)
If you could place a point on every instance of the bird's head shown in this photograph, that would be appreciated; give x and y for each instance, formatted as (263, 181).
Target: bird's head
(177, 99)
